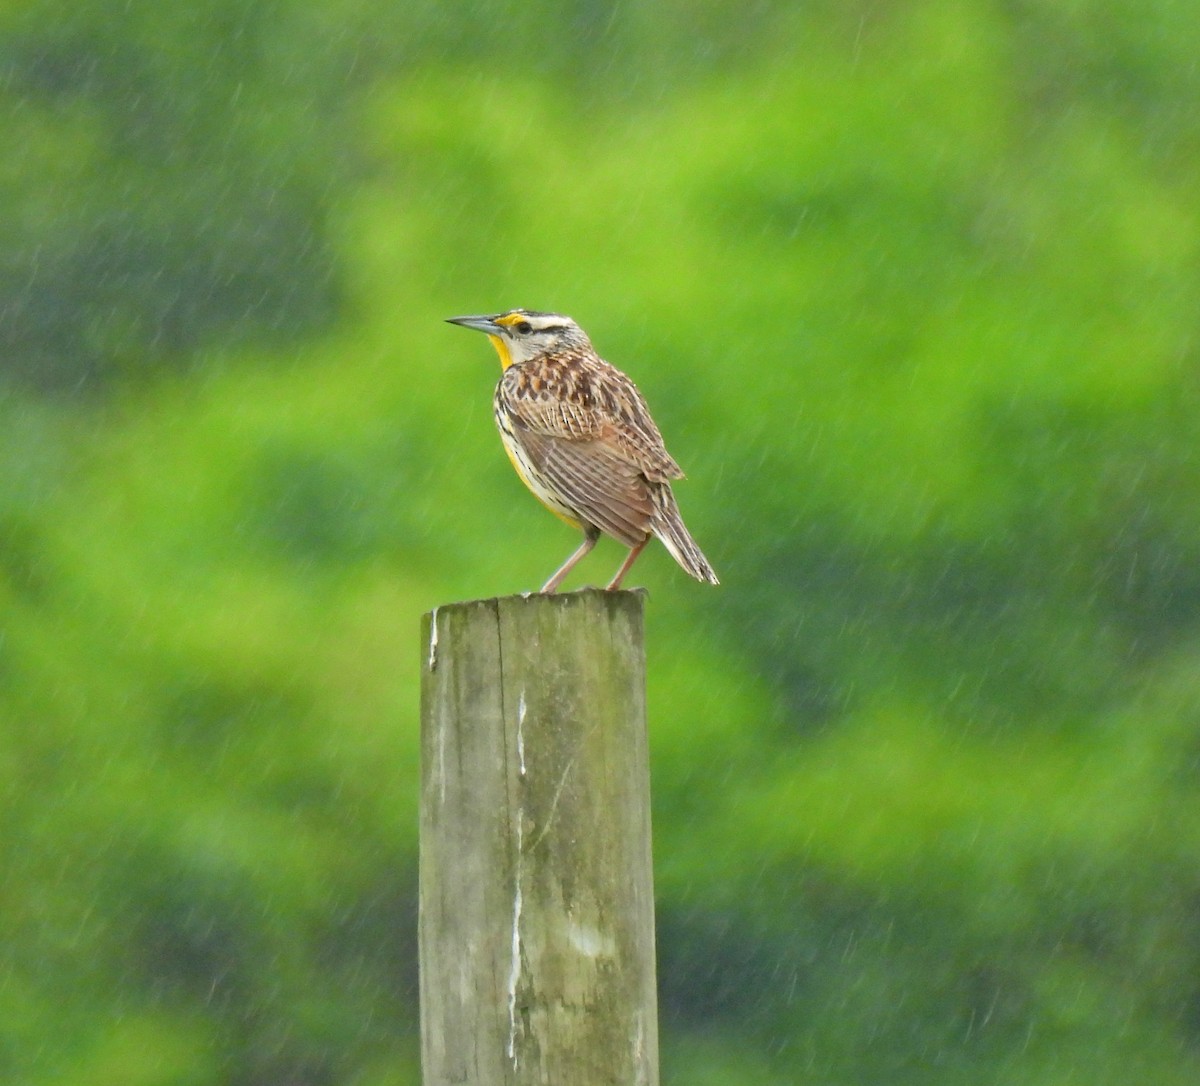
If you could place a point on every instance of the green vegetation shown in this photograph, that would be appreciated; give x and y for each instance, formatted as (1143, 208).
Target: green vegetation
(912, 290)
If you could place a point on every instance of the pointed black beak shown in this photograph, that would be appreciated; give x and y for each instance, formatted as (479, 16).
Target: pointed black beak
(480, 324)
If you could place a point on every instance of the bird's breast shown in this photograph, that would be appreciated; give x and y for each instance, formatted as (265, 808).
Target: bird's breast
(527, 470)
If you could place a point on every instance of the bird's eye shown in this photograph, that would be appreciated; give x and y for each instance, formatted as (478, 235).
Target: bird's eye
(524, 327)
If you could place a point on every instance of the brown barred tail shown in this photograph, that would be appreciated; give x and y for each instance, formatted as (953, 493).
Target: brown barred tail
(669, 527)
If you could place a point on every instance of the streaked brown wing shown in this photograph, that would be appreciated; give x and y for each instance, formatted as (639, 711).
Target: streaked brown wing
(595, 400)
(639, 433)
(594, 479)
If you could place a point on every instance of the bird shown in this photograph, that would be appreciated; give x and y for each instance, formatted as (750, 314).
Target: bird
(581, 438)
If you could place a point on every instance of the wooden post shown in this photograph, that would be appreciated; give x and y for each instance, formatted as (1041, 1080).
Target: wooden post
(537, 899)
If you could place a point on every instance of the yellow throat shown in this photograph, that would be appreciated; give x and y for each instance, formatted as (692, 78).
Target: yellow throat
(502, 350)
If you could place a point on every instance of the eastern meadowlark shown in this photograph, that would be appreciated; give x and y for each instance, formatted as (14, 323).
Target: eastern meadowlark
(581, 437)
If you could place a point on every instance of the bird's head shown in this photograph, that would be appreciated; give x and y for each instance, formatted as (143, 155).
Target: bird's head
(522, 334)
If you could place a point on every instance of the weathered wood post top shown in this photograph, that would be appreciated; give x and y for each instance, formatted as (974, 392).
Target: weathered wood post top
(537, 899)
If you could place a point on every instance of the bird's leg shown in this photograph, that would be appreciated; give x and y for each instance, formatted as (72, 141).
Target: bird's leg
(590, 535)
(615, 583)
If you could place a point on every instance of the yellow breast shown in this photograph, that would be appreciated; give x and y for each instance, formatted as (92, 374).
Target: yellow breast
(529, 475)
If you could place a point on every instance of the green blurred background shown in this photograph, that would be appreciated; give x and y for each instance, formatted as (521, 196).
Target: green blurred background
(912, 287)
